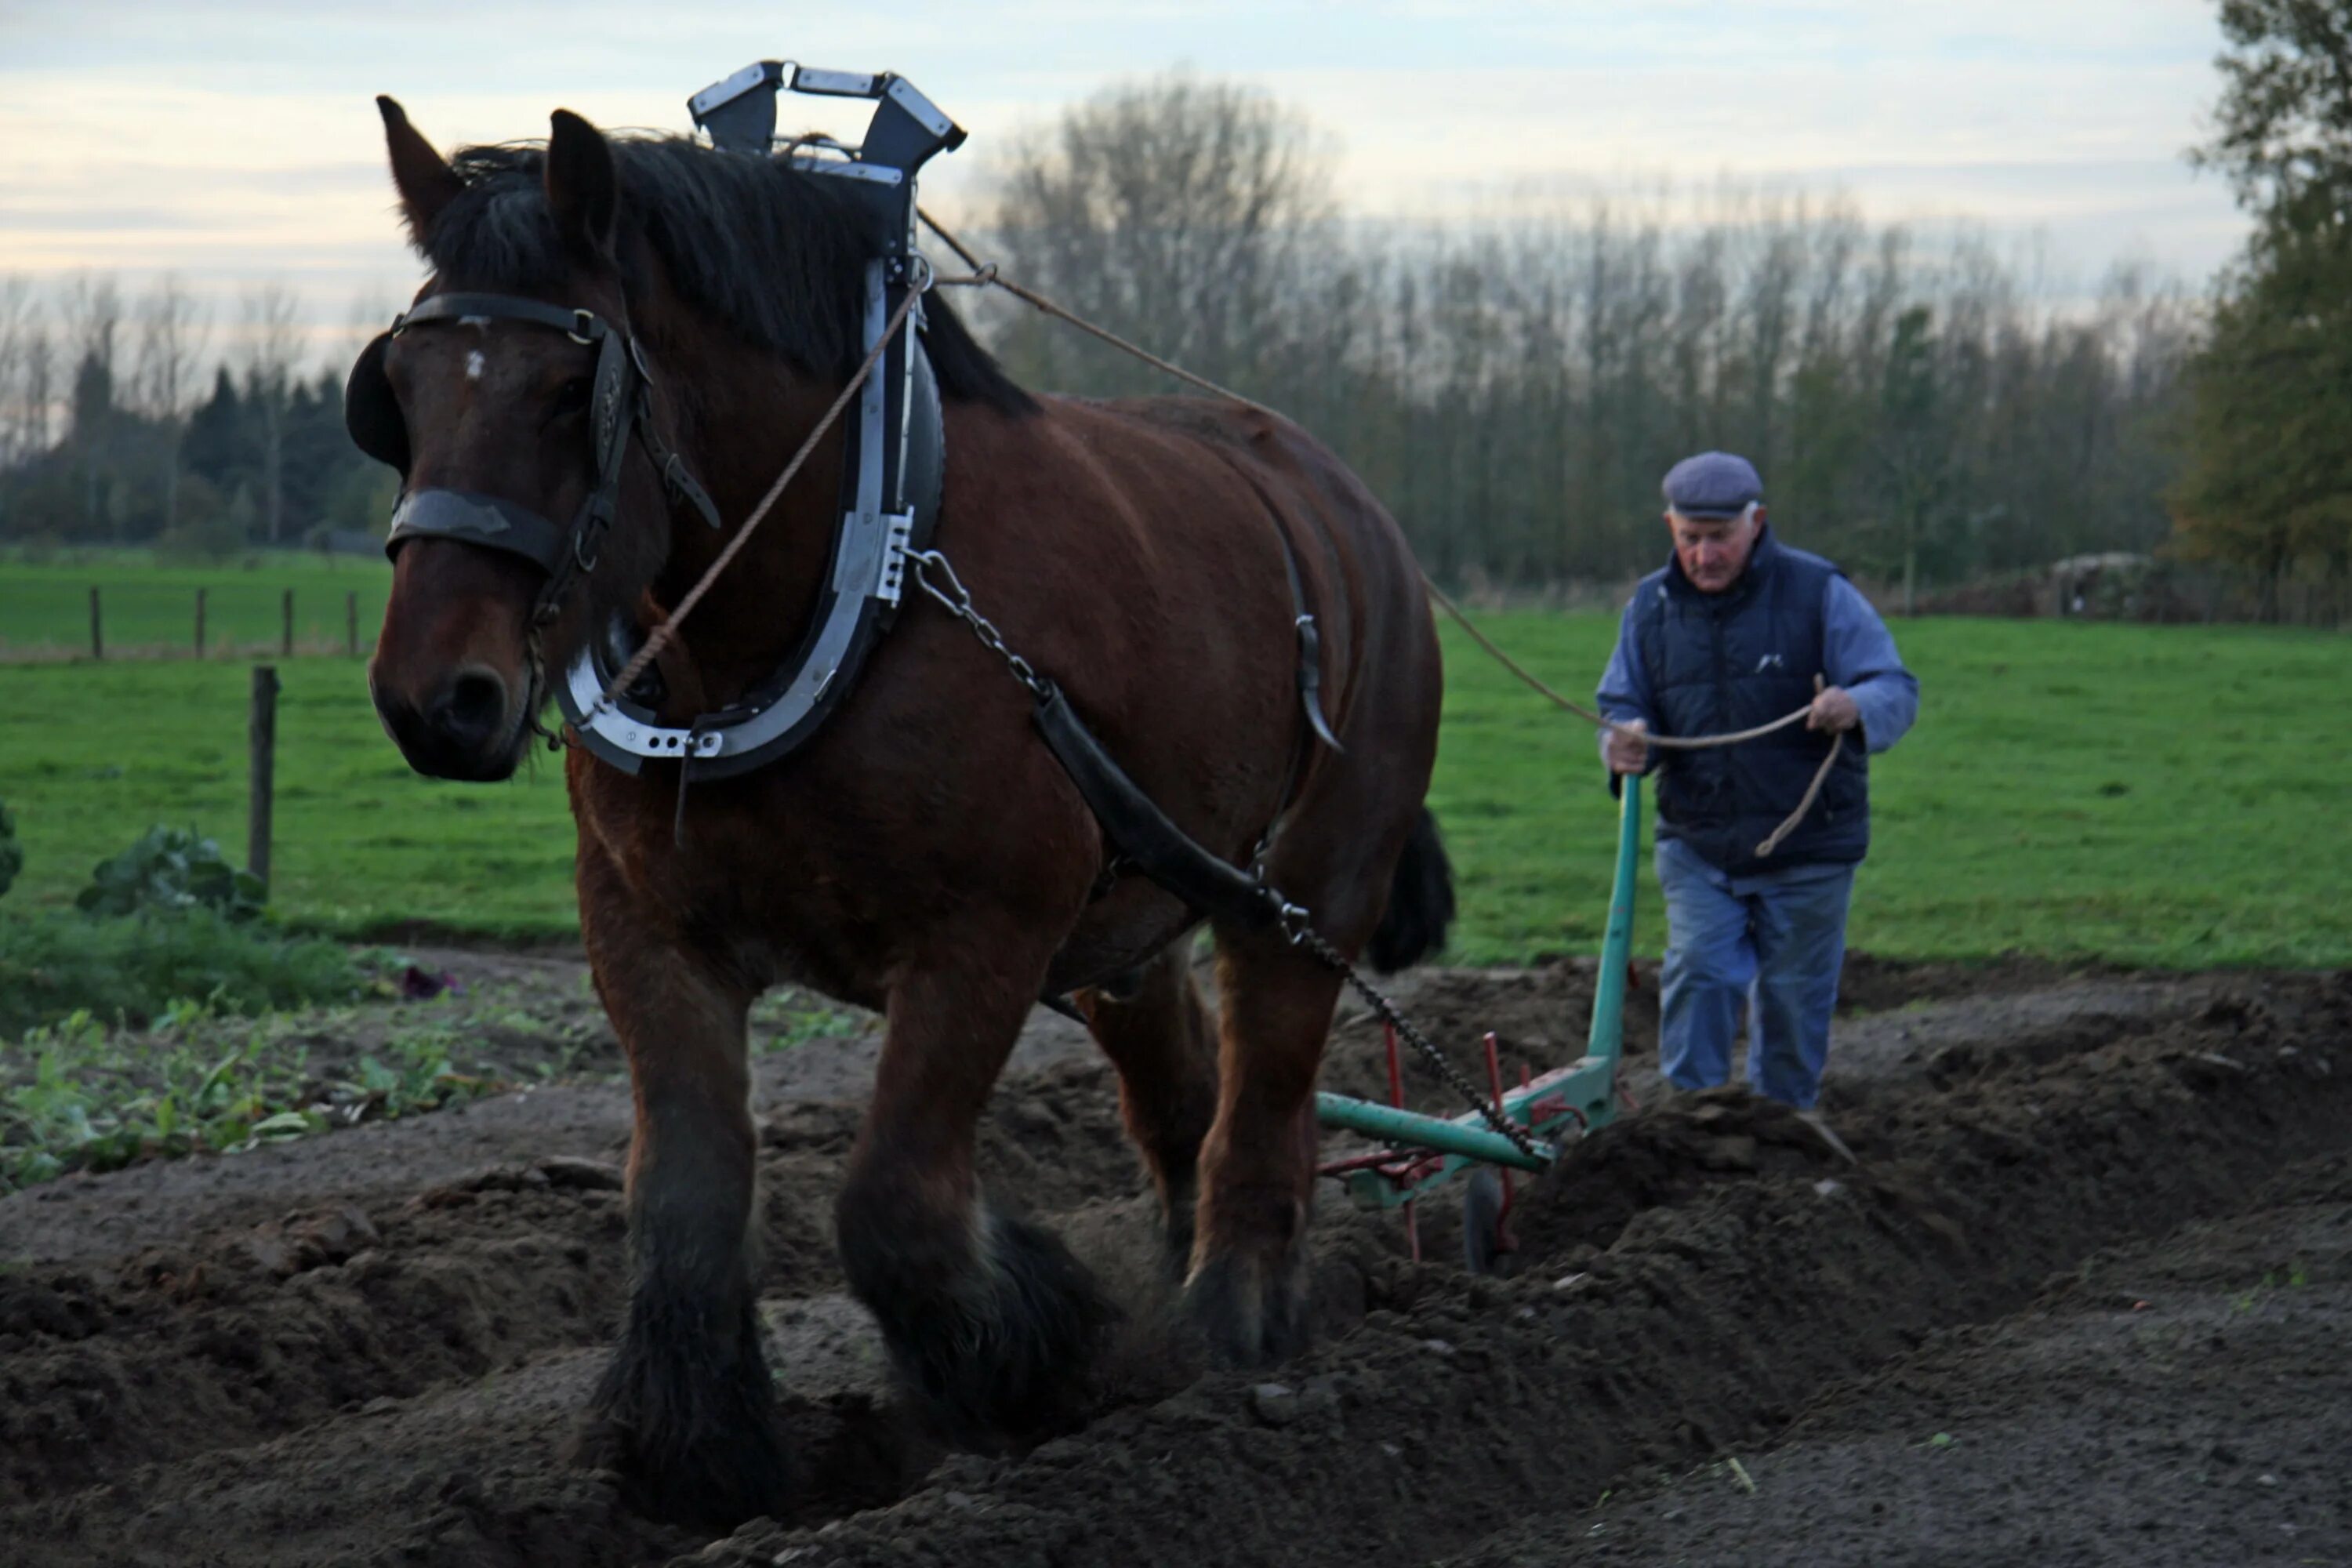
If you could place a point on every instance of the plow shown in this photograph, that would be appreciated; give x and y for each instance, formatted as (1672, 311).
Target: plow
(1418, 1154)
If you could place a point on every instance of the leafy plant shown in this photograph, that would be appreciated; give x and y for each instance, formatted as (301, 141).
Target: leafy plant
(97, 1101)
(171, 869)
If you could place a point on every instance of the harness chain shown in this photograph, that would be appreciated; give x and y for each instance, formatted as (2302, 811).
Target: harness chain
(1479, 1101)
(956, 599)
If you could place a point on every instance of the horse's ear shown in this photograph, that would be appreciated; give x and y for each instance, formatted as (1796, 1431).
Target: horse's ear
(425, 180)
(584, 192)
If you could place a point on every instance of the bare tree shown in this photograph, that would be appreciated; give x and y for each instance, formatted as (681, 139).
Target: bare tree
(173, 328)
(272, 343)
(1175, 210)
(20, 319)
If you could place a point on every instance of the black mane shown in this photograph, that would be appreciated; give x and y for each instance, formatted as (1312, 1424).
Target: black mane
(771, 250)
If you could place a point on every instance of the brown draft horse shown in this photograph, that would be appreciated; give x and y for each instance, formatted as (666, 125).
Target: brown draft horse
(923, 854)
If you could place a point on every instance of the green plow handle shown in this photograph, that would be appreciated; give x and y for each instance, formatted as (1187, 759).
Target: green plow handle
(1580, 1097)
(1607, 1039)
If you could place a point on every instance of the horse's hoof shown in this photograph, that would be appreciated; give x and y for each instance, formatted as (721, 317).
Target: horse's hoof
(711, 1482)
(1251, 1312)
(693, 1436)
(1013, 1360)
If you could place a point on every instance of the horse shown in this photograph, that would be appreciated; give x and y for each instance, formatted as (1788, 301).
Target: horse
(923, 856)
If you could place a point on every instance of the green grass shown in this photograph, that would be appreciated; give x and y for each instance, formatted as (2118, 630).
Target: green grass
(133, 969)
(149, 608)
(2160, 796)
(96, 754)
(2157, 796)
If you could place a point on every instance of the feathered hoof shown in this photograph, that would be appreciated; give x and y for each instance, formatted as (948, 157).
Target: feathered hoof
(1250, 1311)
(691, 1429)
(1010, 1359)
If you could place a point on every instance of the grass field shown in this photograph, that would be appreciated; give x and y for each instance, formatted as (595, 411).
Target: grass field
(147, 609)
(2160, 796)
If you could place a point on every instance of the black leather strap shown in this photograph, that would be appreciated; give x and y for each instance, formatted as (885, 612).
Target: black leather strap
(1141, 830)
(477, 518)
(585, 325)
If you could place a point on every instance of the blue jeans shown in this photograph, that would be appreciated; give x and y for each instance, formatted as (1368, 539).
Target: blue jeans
(1775, 939)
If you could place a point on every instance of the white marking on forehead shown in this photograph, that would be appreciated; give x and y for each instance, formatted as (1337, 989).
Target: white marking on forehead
(474, 365)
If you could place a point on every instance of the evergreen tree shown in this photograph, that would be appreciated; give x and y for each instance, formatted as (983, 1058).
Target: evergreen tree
(219, 447)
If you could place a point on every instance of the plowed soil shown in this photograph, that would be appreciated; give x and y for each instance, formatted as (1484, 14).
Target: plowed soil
(2083, 1299)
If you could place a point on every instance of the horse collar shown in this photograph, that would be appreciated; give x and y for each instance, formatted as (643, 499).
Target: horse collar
(891, 480)
(896, 444)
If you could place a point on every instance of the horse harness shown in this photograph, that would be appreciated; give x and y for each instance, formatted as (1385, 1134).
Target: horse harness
(890, 498)
(619, 404)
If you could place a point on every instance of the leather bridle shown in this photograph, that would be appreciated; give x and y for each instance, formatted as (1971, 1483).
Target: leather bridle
(620, 403)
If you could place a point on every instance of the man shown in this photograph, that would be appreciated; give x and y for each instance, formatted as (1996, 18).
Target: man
(1736, 630)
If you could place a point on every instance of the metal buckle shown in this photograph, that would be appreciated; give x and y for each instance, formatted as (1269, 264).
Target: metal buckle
(584, 327)
(898, 530)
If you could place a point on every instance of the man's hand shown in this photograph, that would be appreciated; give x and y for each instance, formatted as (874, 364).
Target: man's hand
(1833, 712)
(1627, 754)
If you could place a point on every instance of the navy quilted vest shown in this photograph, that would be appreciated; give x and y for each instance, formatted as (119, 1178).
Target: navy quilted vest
(1720, 662)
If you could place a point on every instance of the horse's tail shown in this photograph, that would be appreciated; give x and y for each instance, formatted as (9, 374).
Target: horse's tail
(1421, 902)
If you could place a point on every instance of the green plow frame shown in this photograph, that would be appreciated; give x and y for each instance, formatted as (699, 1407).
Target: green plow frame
(1567, 1101)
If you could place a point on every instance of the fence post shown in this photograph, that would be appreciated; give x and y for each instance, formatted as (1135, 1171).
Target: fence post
(352, 623)
(96, 636)
(262, 736)
(286, 639)
(200, 622)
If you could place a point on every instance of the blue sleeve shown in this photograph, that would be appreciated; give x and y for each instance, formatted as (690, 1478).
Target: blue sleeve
(1624, 691)
(1860, 653)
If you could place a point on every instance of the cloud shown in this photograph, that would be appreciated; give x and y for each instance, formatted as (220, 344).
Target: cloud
(243, 134)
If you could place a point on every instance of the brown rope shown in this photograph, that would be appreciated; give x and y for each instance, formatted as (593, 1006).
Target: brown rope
(1812, 794)
(1534, 684)
(666, 632)
(985, 274)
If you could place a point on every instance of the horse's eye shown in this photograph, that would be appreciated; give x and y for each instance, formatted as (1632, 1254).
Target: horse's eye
(575, 395)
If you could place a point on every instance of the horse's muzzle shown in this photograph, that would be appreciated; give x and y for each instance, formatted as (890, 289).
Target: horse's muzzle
(470, 728)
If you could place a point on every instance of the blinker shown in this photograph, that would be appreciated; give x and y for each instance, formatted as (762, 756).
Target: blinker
(620, 403)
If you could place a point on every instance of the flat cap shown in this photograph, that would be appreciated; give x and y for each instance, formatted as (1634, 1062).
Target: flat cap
(1713, 485)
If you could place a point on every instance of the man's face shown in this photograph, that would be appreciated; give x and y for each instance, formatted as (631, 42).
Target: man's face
(1714, 551)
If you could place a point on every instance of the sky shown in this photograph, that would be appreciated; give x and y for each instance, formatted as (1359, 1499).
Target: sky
(236, 142)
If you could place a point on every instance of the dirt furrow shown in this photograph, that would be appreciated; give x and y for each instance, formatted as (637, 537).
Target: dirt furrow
(1704, 1272)
(2183, 1401)
(386, 1371)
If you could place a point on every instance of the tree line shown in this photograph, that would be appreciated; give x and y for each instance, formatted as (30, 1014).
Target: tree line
(2267, 486)
(1515, 389)
(118, 426)
(1924, 407)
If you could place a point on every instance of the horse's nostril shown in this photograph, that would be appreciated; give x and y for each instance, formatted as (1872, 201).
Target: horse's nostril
(474, 710)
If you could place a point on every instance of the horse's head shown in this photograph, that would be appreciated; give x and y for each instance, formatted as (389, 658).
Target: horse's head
(533, 505)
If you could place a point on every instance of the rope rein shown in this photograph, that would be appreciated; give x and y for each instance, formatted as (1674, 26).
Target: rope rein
(666, 632)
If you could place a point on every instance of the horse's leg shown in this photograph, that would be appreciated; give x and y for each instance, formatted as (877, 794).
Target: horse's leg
(1159, 1036)
(1248, 1281)
(685, 1410)
(990, 1319)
